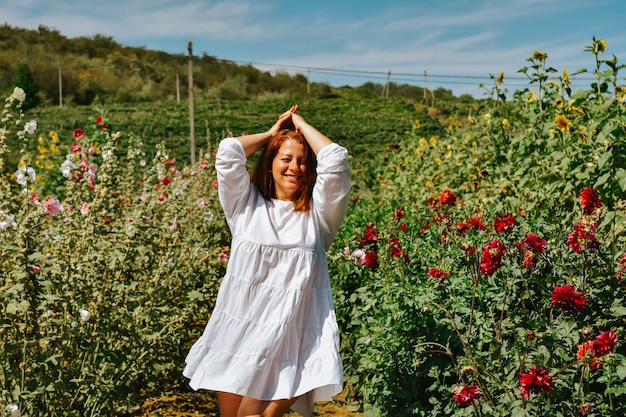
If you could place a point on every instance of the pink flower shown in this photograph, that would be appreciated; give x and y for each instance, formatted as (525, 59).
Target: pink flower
(214, 184)
(201, 203)
(223, 258)
(36, 269)
(174, 225)
(359, 257)
(52, 206)
(204, 164)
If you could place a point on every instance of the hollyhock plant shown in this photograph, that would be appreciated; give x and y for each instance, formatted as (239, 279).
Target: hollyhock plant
(590, 200)
(504, 223)
(491, 257)
(565, 296)
(465, 395)
(79, 134)
(52, 206)
(535, 380)
(359, 257)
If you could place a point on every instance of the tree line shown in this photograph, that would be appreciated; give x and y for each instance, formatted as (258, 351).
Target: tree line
(54, 69)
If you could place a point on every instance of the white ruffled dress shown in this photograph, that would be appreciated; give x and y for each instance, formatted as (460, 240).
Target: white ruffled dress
(273, 333)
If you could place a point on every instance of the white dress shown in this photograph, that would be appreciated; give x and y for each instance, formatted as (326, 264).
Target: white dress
(273, 333)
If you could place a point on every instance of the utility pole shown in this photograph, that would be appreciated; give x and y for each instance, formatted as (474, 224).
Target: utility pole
(386, 89)
(177, 88)
(192, 129)
(60, 87)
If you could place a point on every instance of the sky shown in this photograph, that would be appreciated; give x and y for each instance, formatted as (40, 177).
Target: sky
(454, 44)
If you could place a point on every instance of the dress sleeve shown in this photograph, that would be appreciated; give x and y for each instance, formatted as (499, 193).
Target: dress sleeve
(332, 187)
(233, 179)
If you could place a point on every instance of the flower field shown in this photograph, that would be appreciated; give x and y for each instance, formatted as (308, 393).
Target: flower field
(479, 272)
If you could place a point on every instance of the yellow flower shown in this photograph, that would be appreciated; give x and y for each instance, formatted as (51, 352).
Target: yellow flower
(531, 96)
(438, 161)
(599, 46)
(41, 141)
(470, 119)
(54, 148)
(539, 56)
(54, 137)
(583, 136)
(500, 78)
(416, 124)
(562, 123)
(433, 140)
(558, 102)
(423, 143)
(566, 80)
(551, 133)
(577, 110)
(420, 152)
(505, 124)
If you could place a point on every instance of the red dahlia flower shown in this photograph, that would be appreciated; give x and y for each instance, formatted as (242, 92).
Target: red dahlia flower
(399, 214)
(566, 296)
(583, 235)
(438, 273)
(371, 260)
(535, 380)
(370, 237)
(504, 223)
(465, 395)
(447, 198)
(590, 200)
(491, 257)
(532, 246)
(604, 343)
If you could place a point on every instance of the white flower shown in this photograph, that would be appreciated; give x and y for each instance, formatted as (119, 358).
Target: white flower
(107, 154)
(25, 174)
(18, 94)
(30, 127)
(209, 216)
(85, 315)
(66, 168)
(6, 221)
(12, 409)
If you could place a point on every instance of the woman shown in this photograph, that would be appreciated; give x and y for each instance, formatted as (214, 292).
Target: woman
(272, 341)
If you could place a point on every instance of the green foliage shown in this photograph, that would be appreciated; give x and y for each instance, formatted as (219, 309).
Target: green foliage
(431, 315)
(433, 293)
(24, 79)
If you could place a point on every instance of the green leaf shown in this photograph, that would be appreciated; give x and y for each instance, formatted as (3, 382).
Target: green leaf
(620, 176)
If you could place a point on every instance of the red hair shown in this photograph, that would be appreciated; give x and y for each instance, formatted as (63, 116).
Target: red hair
(262, 175)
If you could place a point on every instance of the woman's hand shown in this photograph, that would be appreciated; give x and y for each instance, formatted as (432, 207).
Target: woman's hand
(282, 119)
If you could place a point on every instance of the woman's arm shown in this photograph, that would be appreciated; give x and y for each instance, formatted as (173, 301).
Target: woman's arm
(315, 138)
(254, 142)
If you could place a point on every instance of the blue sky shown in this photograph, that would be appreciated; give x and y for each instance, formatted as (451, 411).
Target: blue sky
(458, 43)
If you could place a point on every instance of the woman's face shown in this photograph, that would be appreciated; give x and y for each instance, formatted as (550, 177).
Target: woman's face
(288, 169)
